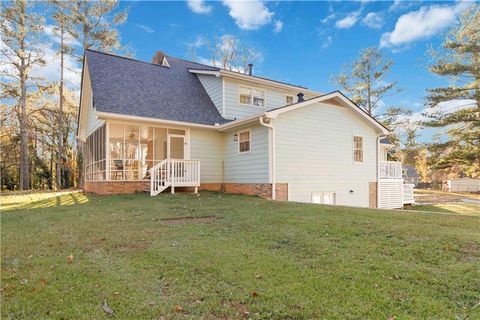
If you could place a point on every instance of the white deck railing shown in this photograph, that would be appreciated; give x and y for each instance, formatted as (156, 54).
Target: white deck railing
(408, 194)
(174, 173)
(390, 170)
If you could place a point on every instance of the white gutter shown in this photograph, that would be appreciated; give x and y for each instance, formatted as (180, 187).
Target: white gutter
(245, 120)
(115, 116)
(272, 150)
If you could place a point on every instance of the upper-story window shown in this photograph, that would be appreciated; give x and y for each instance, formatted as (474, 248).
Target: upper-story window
(358, 149)
(288, 100)
(251, 96)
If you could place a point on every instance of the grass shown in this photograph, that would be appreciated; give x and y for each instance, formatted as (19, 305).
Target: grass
(262, 259)
(464, 208)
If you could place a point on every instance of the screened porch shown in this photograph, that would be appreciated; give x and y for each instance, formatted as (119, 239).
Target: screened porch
(121, 151)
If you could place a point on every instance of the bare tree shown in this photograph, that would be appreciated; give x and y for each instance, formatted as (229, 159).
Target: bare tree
(228, 52)
(20, 54)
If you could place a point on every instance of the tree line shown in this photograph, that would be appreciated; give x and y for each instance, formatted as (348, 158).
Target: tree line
(38, 118)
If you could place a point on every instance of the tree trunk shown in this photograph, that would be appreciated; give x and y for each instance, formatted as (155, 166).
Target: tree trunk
(24, 156)
(60, 115)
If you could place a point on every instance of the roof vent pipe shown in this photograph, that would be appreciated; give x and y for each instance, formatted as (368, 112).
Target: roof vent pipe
(250, 67)
(300, 97)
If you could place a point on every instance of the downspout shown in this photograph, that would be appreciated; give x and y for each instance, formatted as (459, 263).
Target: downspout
(378, 164)
(272, 150)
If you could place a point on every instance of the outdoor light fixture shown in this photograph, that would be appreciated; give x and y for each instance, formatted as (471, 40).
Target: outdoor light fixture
(235, 137)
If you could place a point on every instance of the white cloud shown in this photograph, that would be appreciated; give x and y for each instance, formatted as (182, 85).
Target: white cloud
(53, 34)
(373, 20)
(51, 71)
(349, 21)
(421, 24)
(145, 28)
(401, 5)
(327, 42)
(199, 6)
(278, 26)
(331, 16)
(249, 15)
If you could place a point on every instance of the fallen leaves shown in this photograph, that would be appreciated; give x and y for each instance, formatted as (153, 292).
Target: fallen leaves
(106, 308)
(178, 308)
(254, 294)
(70, 259)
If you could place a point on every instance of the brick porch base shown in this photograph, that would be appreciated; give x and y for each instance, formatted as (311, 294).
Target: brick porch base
(124, 187)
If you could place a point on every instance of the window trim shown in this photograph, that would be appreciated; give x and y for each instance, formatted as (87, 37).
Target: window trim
(251, 96)
(249, 140)
(353, 148)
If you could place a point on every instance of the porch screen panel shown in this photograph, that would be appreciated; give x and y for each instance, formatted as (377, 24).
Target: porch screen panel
(95, 154)
(135, 149)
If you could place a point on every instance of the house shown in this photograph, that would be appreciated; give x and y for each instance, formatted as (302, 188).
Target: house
(410, 175)
(173, 123)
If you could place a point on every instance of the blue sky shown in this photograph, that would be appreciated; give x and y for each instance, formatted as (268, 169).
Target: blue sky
(303, 43)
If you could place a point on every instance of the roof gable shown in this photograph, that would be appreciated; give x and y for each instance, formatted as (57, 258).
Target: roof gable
(335, 97)
(126, 86)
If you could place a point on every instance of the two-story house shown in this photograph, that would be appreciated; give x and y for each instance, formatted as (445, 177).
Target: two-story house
(174, 123)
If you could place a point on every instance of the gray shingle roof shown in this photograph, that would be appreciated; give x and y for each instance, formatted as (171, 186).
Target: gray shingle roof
(409, 172)
(130, 87)
(385, 141)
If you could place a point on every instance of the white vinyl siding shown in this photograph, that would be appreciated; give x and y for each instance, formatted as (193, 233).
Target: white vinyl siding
(214, 88)
(250, 167)
(208, 146)
(274, 98)
(93, 123)
(314, 154)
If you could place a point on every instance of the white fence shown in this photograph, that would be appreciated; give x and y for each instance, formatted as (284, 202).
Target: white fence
(408, 194)
(390, 170)
(463, 185)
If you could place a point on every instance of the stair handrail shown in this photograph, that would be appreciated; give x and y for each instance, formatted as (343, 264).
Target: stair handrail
(153, 175)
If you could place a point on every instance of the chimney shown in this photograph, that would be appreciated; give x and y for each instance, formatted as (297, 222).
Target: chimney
(250, 67)
(158, 57)
(300, 97)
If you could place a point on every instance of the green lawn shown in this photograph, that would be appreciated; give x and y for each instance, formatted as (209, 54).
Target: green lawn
(260, 259)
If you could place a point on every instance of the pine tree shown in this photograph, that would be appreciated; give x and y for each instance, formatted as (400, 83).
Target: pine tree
(459, 61)
(365, 81)
(19, 27)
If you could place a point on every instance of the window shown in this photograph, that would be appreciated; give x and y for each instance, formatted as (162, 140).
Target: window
(324, 198)
(244, 141)
(358, 149)
(288, 100)
(251, 97)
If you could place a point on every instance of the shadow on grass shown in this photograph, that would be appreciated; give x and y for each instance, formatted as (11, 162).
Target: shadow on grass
(43, 200)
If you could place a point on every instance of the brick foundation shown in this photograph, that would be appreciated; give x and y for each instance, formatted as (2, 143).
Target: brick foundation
(116, 187)
(372, 194)
(124, 187)
(258, 189)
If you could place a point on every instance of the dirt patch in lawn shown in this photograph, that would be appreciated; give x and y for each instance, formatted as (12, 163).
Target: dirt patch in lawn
(190, 219)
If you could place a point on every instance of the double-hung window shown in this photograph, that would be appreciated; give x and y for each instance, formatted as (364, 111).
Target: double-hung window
(358, 149)
(288, 100)
(244, 141)
(251, 97)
